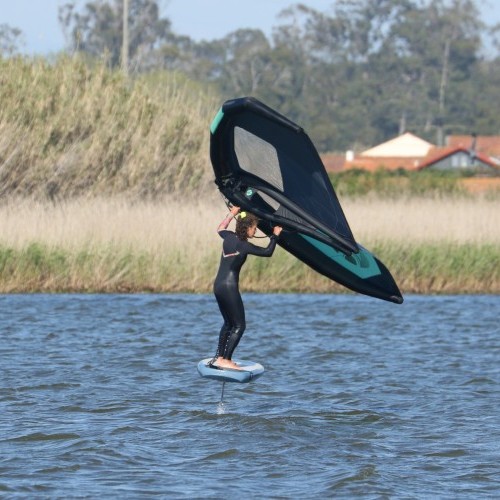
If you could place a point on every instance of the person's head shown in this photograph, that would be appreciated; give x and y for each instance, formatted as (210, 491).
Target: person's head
(246, 225)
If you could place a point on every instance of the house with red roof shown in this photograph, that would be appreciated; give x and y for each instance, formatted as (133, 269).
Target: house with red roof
(486, 144)
(466, 154)
(460, 159)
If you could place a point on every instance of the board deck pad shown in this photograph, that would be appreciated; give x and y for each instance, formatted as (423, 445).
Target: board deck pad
(251, 371)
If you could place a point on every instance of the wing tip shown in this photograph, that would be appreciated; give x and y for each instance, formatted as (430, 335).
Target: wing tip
(397, 299)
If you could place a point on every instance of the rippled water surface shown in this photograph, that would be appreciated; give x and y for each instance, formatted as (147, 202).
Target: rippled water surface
(100, 397)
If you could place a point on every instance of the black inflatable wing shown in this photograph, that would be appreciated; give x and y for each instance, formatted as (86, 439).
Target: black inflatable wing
(267, 164)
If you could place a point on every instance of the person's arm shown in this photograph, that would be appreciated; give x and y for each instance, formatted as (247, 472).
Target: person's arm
(229, 217)
(265, 251)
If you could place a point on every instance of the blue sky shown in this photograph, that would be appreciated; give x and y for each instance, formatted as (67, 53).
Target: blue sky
(199, 19)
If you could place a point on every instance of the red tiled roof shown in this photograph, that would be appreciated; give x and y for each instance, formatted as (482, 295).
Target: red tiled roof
(440, 153)
(387, 163)
(486, 144)
(487, 147)
(333, 162)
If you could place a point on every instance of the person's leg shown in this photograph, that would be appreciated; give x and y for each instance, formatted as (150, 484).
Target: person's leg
(223, 295)
(232, 310)
(238, 325)
(223, 336)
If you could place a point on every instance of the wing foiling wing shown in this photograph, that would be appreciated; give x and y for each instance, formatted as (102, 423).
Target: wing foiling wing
(266, 164)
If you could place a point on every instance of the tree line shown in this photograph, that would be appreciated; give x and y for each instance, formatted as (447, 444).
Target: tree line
(358, 74)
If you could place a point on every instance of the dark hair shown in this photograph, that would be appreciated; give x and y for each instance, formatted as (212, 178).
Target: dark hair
(244, 220)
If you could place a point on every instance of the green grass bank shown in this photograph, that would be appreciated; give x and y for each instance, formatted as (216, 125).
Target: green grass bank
(394, 184)
(425, 268)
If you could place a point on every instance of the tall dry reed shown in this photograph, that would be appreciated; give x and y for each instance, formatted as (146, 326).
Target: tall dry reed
(189, 225)
(424, 220)
(70, 128)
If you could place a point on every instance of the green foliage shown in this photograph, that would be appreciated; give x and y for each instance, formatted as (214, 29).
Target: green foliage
(396, 184)
(417, 268)
(96, 29)
(35, 263)
(443, 267)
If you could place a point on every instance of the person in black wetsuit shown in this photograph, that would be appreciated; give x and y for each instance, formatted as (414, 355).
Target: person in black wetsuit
(235, 249)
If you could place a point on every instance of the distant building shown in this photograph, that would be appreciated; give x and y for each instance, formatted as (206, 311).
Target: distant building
(403, 152)
(459, 159)
(477, 155)
(488, 145)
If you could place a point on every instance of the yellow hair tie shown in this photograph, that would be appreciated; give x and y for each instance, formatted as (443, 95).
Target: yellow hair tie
(243, 215)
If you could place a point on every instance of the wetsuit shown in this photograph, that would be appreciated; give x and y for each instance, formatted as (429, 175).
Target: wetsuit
(234, 255)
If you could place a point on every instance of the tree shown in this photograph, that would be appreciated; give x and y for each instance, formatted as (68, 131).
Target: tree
(392, 62)
(353, 76)
(439, 44)
(10, 39)
(98, 30)
(246, 61)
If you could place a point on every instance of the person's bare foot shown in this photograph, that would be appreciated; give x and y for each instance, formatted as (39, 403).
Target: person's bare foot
(227, 363)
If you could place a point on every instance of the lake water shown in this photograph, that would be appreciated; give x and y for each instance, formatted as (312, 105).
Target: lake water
(100, 397)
